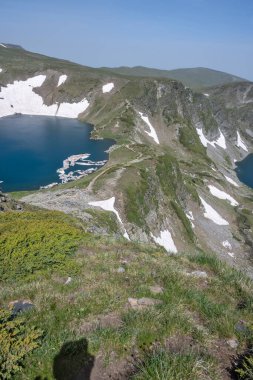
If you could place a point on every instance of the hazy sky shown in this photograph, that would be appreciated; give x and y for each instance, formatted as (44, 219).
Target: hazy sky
(160, 33)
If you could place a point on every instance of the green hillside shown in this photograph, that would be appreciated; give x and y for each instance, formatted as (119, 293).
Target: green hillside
(195, 78)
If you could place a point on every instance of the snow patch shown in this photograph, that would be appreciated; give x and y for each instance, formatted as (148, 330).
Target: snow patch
(230, 180)
(221, 141)
(227, 245)
(3, 46)
(19, 97)
(207, 95)
(62, 80)
(240, 143)
(1, 70)
(213, 215)
(152, 132)
(222, 195)
(107, 87)
(165, 240)
(190, 216)
(108, 205)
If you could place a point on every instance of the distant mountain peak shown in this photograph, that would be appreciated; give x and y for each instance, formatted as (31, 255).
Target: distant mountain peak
(10, 46)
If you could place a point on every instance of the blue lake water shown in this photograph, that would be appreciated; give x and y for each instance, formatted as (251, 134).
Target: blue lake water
(244, 170)
(32, 148)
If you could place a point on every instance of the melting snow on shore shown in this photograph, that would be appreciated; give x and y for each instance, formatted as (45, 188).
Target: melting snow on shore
(19, 97)
(78, 159)
(107, 88)
(62, 80)
(213, 215)
(108, 205)
(240, 143)
(165, 240)
(230, 180)
(222, 195)
(221, 141)
(152, 132)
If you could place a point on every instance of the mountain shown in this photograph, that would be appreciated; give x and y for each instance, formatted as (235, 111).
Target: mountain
(152, 253)
(195, 78)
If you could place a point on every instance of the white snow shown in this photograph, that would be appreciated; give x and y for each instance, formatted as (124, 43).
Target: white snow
(240, 143)
(19, 97)
(227, 245)
(166, 241)
(1, 70)
(107, 87)
(230, 180)
(3, 46)
(207, 95)
(72, 110)
(190, 216)
(231, 254)
(108, 205)
(152, 132)
(222, 195)
(213, 215)
(220, 141)
(61, 80)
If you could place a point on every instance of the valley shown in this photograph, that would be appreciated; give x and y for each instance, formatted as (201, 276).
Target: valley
(166, 205)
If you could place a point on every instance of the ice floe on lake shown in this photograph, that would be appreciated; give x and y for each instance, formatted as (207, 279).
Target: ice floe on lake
(108, 205)
(165, 240)
(107, 88)
(19, 97)
(78, 159)
(213, 215)
(222, 195)
(152, 132)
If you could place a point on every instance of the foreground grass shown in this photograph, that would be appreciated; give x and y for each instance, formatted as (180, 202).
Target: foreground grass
(198, 314)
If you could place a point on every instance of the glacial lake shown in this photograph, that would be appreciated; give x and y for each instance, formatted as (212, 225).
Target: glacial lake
(33, 148)
(244, 170)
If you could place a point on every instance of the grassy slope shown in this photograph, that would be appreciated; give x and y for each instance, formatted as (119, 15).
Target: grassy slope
(196, 78)
(201, 311)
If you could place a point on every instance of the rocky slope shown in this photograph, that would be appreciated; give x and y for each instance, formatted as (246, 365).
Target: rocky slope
(170, 178)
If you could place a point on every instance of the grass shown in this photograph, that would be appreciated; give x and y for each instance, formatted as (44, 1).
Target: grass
(33, 241)
(205, 311)
(161, 365)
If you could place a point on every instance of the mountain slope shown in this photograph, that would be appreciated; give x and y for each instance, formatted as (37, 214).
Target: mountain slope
(174, 153)
(195, 78)
(108, 290)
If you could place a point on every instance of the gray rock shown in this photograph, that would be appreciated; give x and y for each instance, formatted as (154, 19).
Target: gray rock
(20, 306)
(142, 303)
(156, 289)
(199, 274)
(241, 327)
(233, 343)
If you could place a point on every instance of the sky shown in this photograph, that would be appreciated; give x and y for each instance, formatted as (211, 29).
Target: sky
(164, 34)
